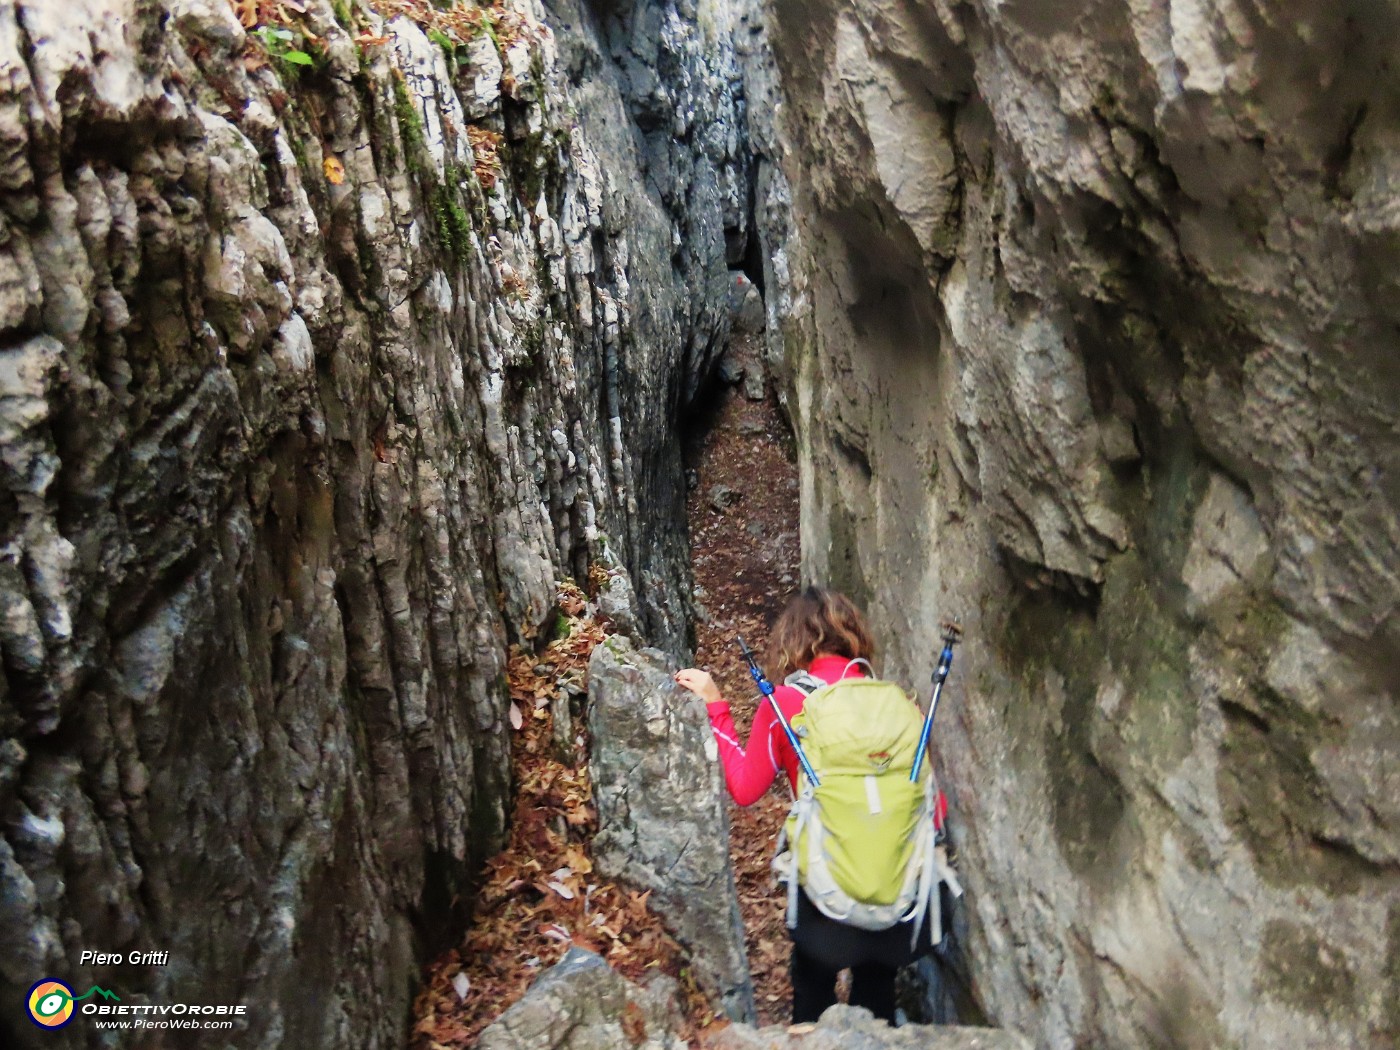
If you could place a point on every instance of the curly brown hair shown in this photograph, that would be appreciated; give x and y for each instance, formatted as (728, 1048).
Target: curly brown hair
(818, 621)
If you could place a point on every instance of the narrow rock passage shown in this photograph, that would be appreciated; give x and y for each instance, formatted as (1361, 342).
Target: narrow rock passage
(744, 545)
(541, 894)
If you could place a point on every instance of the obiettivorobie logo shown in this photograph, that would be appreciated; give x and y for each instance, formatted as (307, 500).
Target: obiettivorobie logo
(51, 1002)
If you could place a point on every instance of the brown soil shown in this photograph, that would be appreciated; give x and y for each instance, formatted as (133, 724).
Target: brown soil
(745, 558)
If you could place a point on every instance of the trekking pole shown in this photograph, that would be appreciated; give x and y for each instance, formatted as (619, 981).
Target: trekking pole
(951, 633)
(766, 688)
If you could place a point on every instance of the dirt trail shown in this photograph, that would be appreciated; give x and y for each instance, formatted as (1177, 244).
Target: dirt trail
(745, 549)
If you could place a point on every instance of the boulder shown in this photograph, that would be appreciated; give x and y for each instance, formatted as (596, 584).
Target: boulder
(582, 1003)
(855, 1028)
(745, 305)
(661, 819)
(730, 372)
(721, 497)
(755, 381)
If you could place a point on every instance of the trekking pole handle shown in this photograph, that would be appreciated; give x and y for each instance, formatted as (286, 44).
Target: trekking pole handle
(766, 688)
(952, 632)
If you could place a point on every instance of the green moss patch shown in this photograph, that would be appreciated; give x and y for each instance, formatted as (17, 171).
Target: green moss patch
(1088, 805)
(453, 221)
(1274, 800)
(1147, 648)
(410, 124)
(1270, 791)
(845, 571)
(1300, 969)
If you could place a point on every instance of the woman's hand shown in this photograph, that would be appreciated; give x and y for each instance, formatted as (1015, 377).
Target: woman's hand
(700, 683)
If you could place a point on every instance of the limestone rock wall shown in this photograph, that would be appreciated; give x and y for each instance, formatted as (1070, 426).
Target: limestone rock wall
(1090, 333)
(657, 86)
(313, 381)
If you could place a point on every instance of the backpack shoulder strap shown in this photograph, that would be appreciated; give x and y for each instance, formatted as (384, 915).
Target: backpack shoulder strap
(804, 682)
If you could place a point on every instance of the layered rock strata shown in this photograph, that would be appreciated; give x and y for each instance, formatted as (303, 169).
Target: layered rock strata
(316, 375)
(656, 86)
(1090, 334)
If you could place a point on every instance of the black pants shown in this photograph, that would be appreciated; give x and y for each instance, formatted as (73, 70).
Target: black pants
(822, 947)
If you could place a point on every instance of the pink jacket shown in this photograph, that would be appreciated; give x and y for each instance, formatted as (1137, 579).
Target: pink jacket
(750, 769)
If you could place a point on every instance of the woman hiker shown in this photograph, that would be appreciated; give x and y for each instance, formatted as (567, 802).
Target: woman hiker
(822, 632)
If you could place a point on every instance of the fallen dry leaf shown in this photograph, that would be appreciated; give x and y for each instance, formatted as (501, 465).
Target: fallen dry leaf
(634, 1024)
(247, 12)
(561, 889)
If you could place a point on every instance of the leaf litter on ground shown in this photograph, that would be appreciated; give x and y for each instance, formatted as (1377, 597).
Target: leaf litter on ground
(539, 895)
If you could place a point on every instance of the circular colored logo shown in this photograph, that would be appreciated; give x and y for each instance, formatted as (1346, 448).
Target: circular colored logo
(50, 1003)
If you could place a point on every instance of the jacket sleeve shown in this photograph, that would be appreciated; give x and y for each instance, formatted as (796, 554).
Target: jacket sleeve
(748, 769)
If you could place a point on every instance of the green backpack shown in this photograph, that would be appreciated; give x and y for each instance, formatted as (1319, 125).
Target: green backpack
(863, 844)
